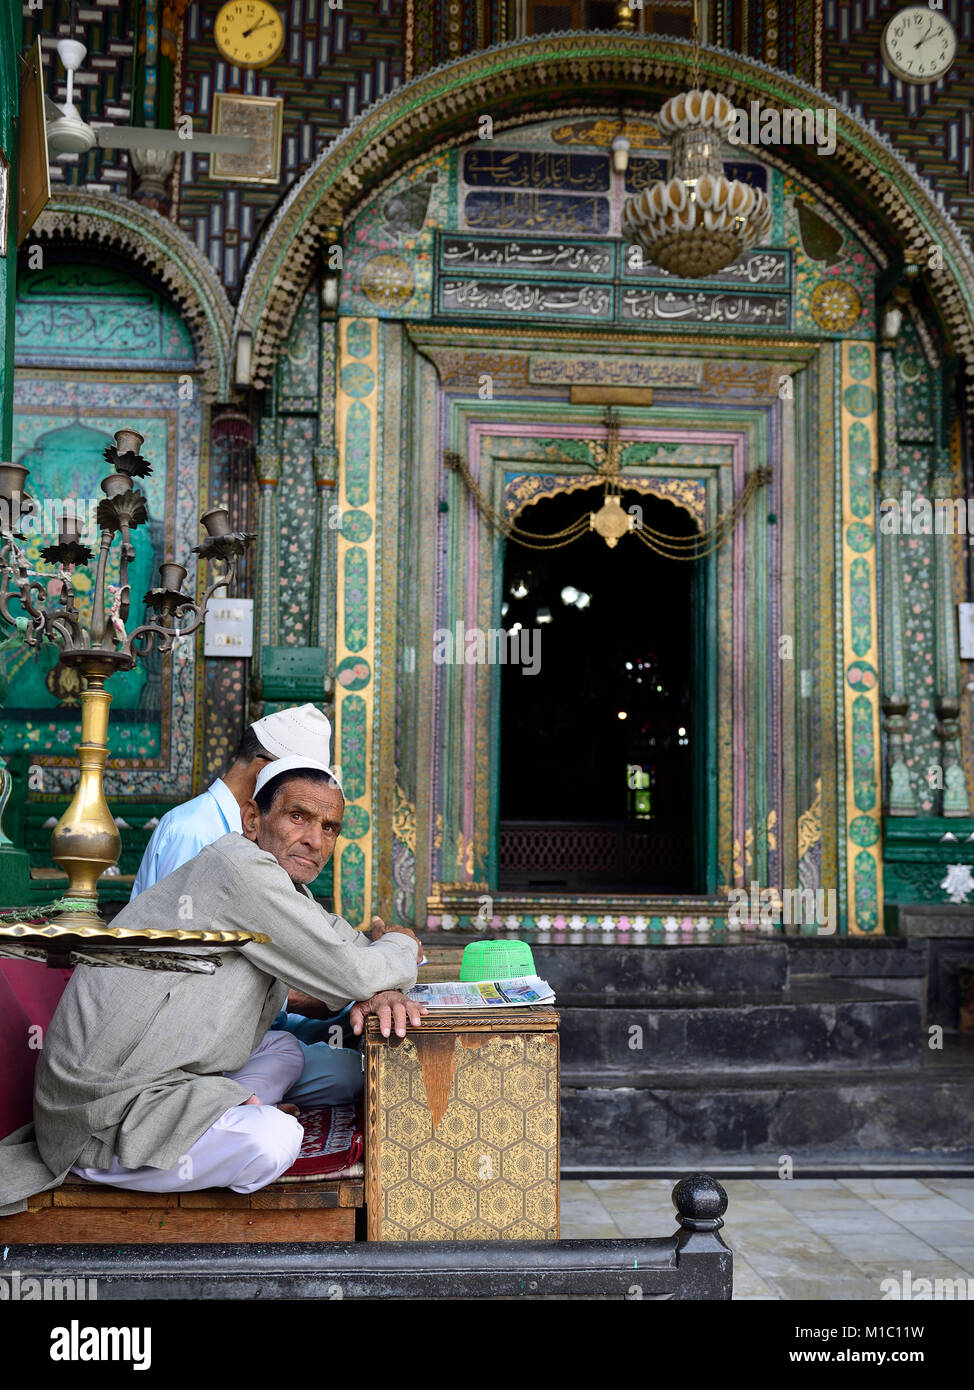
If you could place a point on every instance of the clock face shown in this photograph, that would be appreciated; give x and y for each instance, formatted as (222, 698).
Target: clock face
(919, 44)
(249, 33)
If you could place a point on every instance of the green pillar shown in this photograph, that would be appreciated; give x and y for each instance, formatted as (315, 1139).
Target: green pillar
(947, 678)
(900, 797)
(270, 461)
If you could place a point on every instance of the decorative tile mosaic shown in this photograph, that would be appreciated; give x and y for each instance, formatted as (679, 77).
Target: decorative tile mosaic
(834, 300)
(296, 500)
(152, 753)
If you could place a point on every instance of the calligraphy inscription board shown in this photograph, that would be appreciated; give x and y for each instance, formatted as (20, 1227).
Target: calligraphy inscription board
(755, 269)
(602, 281)
(558, 213)
(505, 297)
(527, 256)
(641, 173)
(571, 173)
(705, 306)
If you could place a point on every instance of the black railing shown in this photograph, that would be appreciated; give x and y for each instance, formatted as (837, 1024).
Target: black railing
(693, 1264)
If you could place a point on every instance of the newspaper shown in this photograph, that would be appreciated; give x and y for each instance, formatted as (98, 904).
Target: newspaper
(484, 994)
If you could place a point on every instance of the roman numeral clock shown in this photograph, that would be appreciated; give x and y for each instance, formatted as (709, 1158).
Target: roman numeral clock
(919, 45)
(249, 33)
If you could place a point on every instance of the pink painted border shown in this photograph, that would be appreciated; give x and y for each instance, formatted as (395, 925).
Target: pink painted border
(477, 431)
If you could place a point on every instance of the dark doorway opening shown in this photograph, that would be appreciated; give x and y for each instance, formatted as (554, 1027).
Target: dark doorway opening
(599, 748)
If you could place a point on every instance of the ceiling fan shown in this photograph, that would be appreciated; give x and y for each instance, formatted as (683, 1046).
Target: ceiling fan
(67, 133)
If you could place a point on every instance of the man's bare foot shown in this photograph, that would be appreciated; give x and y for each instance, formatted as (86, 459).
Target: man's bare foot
(289, 1109)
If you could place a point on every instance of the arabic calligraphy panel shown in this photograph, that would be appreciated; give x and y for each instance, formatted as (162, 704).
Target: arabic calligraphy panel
(643, 172)
(493, 167)
(526, 255)
(558, 213)
(504, 297)
(705, 306)
(568, 369)
(759, 269)
(70, 313)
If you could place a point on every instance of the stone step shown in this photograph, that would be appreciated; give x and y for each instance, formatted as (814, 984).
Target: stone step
(911, 1114)
(611, 974)
(813, 1023)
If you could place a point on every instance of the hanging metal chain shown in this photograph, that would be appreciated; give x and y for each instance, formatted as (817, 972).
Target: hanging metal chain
(531, 539)
(695, 547)
(704, 543)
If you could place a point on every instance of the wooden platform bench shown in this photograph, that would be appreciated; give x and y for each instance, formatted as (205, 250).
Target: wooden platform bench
(87, 1213)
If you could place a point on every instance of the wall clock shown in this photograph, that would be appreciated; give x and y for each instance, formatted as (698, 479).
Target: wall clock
(249, 33)
(919, 44)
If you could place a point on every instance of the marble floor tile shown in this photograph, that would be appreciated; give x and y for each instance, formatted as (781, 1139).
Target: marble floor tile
(963, 1196)
(796, 1287)
(899, 1188)
(589, 1230)
(849, 1222)
(832, 1199)
(753, 1215)
(801, 1263)
(803, 1239)
(861, 1245)
(933, 1207)
(749, 1284)
(958, 1235)
(796, 1184)
(940, 1269)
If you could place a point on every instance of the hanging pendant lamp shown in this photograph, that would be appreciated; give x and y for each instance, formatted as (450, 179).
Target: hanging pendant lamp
(698, 221)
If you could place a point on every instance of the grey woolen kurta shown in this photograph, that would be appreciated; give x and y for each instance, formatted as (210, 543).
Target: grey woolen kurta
(132, 1061)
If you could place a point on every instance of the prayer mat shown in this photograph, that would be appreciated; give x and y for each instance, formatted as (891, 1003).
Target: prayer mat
(333, 1143)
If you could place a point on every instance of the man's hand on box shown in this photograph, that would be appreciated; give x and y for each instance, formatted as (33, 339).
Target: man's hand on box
(392, 1010)
(379, 928)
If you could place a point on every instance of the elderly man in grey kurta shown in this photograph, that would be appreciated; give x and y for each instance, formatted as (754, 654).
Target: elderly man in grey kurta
(164, 1081)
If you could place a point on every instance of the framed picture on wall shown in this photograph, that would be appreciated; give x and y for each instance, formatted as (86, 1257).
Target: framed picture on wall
(261, 118)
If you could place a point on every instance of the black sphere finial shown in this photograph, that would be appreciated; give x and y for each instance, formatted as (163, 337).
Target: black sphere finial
(699, 1198)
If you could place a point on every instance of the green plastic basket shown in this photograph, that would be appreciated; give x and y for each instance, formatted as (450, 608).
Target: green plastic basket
(496, 960)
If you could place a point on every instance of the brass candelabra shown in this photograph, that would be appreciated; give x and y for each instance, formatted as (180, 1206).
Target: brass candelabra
(85, 841)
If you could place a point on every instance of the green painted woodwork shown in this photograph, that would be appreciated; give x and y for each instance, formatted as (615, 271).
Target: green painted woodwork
(294, 675)
(916, 855)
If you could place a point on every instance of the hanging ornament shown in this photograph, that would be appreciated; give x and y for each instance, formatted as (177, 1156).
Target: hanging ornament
(698, 221)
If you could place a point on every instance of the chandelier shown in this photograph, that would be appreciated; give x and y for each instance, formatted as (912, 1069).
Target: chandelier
(698, 221)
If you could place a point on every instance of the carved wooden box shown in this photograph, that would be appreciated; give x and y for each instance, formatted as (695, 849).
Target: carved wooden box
(462, 1128)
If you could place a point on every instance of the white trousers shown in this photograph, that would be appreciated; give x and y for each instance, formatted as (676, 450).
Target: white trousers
(246, 1148)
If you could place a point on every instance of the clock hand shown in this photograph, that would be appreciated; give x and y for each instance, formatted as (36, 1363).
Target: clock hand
(925, 36)
(247, 32)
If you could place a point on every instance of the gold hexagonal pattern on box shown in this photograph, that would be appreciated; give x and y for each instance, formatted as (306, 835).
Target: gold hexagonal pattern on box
(462, 1129)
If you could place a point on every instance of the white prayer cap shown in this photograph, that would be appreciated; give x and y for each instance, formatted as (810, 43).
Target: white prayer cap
(303, 731)
(292, 764)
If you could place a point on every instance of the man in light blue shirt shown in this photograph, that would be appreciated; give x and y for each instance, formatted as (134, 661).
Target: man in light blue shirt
(332, 1074)
(186, 829)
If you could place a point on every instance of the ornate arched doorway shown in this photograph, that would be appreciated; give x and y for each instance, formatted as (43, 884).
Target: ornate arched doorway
(597, 782)
(429, 359)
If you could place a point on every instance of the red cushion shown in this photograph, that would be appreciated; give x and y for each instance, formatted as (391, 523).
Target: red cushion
(29, 994)
(333, 1141)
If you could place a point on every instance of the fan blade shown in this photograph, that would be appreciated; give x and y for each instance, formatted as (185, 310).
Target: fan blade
(52, 112)
(128, 137)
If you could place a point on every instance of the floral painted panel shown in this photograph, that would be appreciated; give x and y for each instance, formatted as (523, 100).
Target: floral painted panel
(62, 421)
(297, 502)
